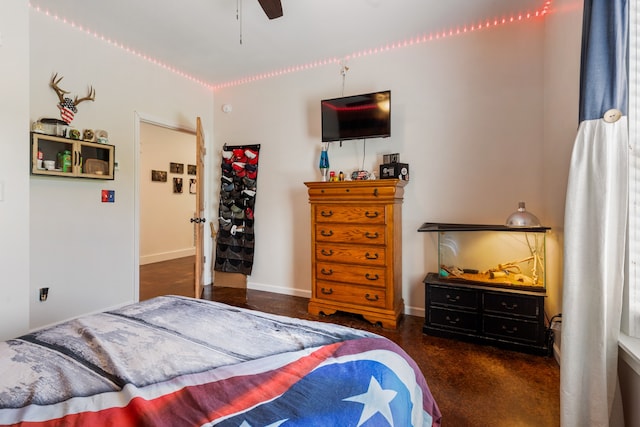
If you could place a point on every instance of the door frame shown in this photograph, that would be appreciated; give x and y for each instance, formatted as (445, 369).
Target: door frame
(139, 118)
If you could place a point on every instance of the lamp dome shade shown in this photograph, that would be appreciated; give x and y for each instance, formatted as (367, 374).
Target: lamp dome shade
(522, 218)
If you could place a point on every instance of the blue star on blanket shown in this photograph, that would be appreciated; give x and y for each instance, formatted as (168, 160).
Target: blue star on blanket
(375, 400)
(323, 398)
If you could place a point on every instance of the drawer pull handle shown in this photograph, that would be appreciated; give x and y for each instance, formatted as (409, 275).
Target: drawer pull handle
(328, 272)
(510, 331)
(326, 291)
(371, 298)
(326, 214)
(371, 214)
(370, 277)
(371, 235)
(369, 256)
(509, 307)
(375, 192)
(453, 299)
(327, 252)
(452, 321)
(327, 233)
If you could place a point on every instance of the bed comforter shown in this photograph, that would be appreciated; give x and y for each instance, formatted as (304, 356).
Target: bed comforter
(175, 361)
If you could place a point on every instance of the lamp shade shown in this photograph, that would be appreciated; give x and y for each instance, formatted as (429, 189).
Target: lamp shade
(522, 218)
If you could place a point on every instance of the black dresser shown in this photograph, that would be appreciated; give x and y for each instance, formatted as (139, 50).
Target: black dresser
(507, 318)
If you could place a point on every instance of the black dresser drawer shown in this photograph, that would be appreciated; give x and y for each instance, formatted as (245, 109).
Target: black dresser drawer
(511, 304)
(511, 329)
(453, 297)
(453, 319)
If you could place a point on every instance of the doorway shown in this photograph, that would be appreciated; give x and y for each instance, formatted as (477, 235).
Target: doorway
(167, 200)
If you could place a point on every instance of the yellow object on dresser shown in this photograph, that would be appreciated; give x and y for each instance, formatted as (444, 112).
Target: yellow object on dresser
(356, 246)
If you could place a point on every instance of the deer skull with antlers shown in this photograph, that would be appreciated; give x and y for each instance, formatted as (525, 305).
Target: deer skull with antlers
(68, 106)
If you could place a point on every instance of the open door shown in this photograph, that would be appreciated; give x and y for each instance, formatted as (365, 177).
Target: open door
(199, 219)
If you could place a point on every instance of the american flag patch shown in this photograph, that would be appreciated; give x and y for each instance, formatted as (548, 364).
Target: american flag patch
(67, 110)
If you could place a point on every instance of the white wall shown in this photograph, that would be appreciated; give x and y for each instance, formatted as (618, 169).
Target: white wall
(14, 173)
(165, 230)
(467, 115)
(563, 36)
(84, 250)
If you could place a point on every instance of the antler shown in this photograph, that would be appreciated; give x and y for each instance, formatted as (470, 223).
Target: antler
(54, 85)
(91, 96)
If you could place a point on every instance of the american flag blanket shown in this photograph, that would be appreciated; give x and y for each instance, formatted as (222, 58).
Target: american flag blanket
(176, 361)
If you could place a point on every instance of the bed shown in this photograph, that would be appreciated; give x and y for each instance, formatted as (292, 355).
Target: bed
(177, 361)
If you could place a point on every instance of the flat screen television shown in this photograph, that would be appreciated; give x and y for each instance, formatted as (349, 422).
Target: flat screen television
(356, 117)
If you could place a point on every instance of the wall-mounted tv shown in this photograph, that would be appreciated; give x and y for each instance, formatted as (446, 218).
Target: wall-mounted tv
(356, 117)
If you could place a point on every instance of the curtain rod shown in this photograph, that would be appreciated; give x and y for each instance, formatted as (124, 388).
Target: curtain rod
(231, 147)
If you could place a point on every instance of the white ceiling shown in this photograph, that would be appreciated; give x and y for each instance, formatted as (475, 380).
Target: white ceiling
(201, 38)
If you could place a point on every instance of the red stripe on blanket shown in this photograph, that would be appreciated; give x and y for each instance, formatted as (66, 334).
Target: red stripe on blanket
(197, 405)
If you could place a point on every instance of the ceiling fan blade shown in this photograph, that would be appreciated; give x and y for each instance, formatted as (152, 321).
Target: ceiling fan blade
(273, 8)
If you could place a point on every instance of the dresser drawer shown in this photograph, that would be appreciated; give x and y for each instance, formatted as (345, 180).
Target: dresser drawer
(343, 233)
(352, 254)
(511, 329)
(359, 295)
(361, 214)
(361, 191)
(363, 275)
(453, 319)
(511, 304)
(452, 297)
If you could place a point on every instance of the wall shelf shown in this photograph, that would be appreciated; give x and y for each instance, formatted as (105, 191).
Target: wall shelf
(87, 159)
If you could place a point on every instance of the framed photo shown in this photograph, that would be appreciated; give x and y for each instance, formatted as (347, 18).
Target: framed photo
(176, 167)
(177, 185)
(191, 169)
(160, 176)
(192, 186)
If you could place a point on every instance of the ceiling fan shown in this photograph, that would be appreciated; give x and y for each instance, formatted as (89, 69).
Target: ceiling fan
(272, 8)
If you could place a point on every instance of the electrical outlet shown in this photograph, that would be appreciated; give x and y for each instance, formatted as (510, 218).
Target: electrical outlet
(108, 196)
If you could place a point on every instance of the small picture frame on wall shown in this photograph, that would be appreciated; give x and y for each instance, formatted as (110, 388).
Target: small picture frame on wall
(176, 167)
(159, 176)
(192, 186)
(191, 169)
(177, 185)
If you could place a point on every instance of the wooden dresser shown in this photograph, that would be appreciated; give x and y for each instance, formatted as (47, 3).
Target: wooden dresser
(356, 249)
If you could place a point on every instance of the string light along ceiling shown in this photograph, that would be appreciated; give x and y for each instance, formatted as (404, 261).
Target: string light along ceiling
(424, 38)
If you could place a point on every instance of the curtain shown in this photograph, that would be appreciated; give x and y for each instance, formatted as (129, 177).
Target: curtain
(596, 224)
(238, 186)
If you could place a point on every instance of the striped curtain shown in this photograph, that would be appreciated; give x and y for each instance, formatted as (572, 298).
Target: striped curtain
(595, 235)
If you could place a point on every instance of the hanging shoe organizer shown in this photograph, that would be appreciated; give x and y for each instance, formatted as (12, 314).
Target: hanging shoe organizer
(236, 240)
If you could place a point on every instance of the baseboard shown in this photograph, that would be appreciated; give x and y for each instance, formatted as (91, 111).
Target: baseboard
(414, 311)
(279, 290)
(556, 352)
(166, 256)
